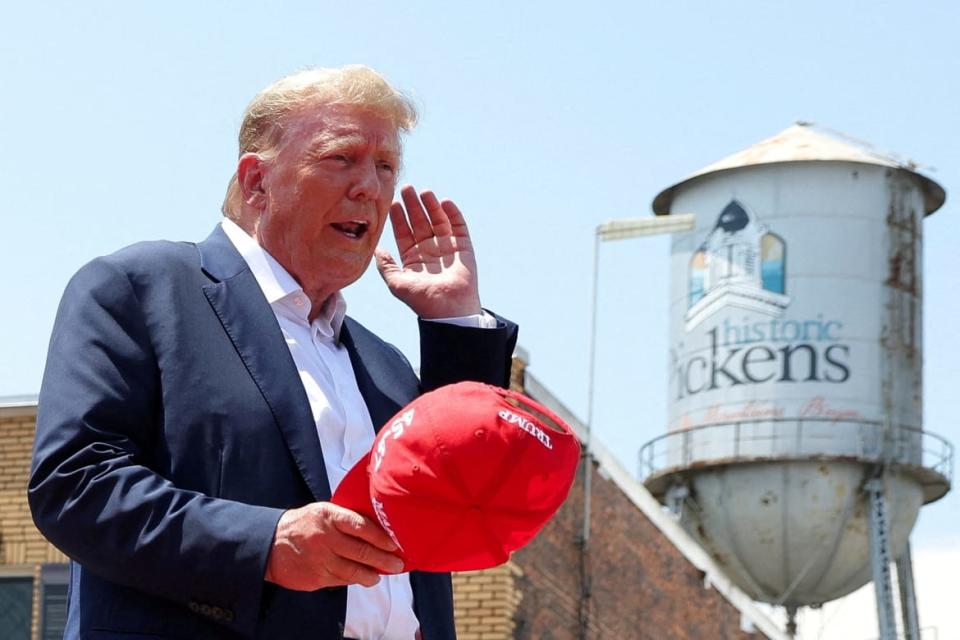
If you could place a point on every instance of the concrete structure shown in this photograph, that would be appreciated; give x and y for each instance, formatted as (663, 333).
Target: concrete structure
(644, 578)
(796, 365)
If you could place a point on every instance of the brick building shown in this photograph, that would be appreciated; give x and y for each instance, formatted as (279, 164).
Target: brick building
(33, 574)
(641, 576)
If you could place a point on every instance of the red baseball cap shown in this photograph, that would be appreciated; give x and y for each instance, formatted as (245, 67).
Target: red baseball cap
(463, 476)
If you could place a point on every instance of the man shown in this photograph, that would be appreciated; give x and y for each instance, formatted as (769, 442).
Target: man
(200, 402)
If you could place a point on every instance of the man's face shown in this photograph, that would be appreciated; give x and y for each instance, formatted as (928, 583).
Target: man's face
(327, 192)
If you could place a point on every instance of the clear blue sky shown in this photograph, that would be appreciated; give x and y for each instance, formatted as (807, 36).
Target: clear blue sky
(119, 123)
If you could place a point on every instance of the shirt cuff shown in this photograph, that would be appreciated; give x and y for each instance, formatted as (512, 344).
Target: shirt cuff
(481, 320)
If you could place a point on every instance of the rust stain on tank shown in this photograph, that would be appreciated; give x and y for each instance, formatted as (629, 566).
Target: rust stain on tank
(902, 225)
(900, 339)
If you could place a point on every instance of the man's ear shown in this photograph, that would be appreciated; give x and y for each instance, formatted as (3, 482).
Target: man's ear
(250, 179)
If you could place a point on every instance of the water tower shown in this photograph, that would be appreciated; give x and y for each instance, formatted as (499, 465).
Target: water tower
(795, 450)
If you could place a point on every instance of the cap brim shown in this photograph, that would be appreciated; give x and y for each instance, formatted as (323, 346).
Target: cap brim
(353, 492)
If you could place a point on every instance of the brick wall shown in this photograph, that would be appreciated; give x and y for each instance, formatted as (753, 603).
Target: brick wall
(486, 603)
(642, 586)
(22, 548)
(20, 542)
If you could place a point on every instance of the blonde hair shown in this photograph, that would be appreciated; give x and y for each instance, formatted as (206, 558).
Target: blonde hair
(263, 121)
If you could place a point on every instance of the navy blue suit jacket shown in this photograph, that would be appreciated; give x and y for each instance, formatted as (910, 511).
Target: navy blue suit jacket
(173, 430)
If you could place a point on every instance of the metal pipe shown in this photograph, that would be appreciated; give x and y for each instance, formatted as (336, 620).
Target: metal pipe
(584, 612)
(585, 534)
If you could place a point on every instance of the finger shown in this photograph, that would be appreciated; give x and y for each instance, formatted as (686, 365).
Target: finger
(385, 261)
(347, 571)
(401, 230)
(366, 554)
(355, 525)
(386, 265)
(457, 223)
(438, 217)
(418, 217)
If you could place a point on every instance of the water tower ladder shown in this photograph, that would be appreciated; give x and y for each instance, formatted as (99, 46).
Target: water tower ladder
(881, 560)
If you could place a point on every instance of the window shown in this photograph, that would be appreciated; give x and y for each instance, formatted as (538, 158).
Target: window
(53, 600)
(773, 263)
(16, 607)
(697, 268)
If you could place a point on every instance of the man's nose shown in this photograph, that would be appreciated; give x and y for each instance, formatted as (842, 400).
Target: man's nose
(366, 182)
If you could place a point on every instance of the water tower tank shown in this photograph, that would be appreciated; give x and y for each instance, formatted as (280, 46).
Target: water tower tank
(795, 362)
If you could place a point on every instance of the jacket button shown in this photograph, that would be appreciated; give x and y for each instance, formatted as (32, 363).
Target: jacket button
(194, 606)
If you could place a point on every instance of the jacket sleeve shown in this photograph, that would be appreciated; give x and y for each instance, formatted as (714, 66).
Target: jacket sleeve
(90, 491)
(450, 353)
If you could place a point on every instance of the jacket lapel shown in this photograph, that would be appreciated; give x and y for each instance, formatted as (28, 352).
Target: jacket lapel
(385, 388)
(249, 321)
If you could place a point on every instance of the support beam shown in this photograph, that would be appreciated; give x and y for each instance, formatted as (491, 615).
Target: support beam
(677, 494)
(908, 597)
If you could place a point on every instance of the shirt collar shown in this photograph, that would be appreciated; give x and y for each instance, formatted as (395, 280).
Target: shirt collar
(280, 288)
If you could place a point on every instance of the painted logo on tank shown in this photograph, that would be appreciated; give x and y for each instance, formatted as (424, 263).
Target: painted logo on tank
(742, 264)
(737, 335)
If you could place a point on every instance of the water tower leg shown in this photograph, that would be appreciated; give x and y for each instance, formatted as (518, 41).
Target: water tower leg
(880, 559)
(908, 597)
(676, 495)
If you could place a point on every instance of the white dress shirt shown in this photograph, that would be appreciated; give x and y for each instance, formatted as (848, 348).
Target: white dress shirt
(385, 611)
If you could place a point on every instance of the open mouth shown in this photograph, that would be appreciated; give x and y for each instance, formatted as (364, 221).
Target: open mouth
(354, 229)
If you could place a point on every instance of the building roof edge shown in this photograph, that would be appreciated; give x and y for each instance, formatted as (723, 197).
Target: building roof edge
(16, 406)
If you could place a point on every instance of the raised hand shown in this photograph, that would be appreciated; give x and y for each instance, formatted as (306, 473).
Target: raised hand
(437, 276)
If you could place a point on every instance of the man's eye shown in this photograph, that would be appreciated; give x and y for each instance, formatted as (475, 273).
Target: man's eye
(385, 166)
(338, 158)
